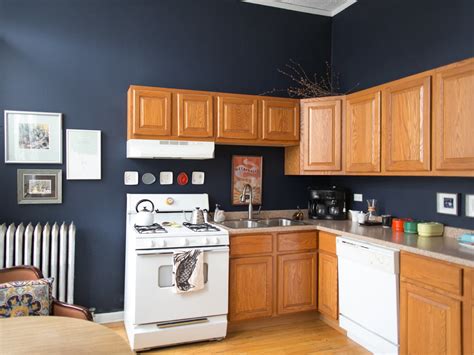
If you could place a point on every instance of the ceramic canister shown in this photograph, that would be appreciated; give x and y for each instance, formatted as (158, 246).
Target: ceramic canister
(410, 227)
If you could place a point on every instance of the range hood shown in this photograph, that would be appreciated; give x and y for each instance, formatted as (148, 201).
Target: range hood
(169, 149)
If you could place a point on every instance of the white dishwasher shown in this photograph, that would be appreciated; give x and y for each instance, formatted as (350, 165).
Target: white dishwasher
(369, 294)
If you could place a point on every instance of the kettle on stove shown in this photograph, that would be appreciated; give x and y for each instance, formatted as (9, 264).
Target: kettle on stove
(144, 217)
(197, 216)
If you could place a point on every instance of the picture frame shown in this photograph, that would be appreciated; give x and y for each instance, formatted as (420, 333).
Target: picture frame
(246, 170)
(83, 154)
(469, 205)
(33, 137)
(39, 186)
(447, 203)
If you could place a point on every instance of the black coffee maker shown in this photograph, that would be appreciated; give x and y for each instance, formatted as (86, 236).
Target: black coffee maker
(327, 203)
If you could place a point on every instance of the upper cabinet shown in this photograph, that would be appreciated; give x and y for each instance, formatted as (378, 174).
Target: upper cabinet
(363, 132)
(322, 135)
(280, 120)
(149, 113)
(453, 124)
(406, 113)
(195, 115)
(237, 118)
(159, 113)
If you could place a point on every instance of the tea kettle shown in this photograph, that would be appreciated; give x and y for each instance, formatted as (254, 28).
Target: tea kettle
(144, 217)
(197, 216)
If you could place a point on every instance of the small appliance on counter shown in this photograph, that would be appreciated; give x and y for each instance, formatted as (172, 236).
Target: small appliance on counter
(327, 203)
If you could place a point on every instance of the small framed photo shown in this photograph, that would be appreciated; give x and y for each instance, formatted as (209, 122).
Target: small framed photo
(83, 154)
(33, 137)
(470, 205)
(447, 203)
(39, 186)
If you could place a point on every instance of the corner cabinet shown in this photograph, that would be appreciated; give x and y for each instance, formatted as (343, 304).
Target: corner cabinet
(406, 114)
(453, 124)
(363, 132)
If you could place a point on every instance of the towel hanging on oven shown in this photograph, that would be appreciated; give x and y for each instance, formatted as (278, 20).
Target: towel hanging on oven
(188, 270)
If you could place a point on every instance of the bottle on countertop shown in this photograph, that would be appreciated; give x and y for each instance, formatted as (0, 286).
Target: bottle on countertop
(298, 215)
(219, 215)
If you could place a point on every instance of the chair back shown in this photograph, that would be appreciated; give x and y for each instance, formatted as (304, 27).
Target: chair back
(20, 273)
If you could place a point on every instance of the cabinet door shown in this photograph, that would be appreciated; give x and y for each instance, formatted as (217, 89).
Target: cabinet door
(406, 117)
(327, 285)
(237, 118)
(363, 132)
(454, 118)
(322, 135)
(297, 275)
(195, 116)
(251, 286)
(150, 113)
(280, 120)
(430, 323)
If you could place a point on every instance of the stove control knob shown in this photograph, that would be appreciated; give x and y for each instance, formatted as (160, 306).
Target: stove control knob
(214, 240)
(184, 242)
(205, 241)
(160, 243)
(152, 244)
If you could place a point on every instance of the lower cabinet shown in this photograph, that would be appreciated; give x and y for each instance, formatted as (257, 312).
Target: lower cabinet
(251, 286)
(297, 282)
(327, 286)
(430, 323)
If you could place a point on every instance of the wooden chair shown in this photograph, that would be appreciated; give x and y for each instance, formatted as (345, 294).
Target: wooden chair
(61, 309)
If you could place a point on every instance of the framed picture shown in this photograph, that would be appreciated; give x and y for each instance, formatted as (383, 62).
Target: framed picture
(36, 186)
(470, 205)
(247, 170)
(33, 137)
(447, 203)
(83, 154)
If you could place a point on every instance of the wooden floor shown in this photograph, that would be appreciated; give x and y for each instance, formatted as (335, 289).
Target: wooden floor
(295, 334)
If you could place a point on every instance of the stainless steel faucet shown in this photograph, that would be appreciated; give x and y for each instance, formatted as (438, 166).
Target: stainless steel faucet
(247, 196)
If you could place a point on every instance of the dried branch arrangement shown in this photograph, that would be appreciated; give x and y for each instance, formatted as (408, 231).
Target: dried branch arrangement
(307, 87)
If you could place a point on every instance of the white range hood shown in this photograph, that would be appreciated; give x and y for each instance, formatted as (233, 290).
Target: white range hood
(168, 149)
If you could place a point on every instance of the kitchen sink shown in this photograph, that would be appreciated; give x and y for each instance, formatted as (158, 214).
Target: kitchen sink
(261, 223)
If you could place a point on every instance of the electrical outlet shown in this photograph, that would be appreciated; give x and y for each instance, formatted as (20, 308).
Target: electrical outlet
(358, 197)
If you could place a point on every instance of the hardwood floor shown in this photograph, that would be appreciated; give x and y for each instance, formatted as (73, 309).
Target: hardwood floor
(293, 334)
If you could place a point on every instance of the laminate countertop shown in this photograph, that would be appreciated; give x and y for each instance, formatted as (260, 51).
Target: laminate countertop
(442, 248)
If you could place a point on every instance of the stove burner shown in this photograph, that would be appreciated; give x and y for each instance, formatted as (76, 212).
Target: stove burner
(154, 228)
(204, 227)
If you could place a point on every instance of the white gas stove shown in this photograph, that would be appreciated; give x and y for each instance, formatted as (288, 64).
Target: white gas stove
(155, 315)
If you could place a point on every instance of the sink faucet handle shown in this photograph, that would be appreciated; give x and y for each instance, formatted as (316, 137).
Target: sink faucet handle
(259, 210)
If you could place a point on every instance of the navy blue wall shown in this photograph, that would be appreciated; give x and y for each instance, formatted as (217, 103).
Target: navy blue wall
(378, 41)
(78, 57)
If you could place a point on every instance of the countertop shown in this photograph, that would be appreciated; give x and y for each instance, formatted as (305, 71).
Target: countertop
(442, 248)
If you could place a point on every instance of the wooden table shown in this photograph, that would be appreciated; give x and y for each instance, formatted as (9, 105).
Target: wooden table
(58, 335)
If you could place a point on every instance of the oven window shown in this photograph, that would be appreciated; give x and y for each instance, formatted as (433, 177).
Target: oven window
(165, 275)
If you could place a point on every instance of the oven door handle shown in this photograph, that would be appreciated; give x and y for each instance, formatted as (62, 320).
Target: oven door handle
(171, 252)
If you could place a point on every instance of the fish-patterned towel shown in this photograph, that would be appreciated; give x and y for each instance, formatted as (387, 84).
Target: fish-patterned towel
(188, 271)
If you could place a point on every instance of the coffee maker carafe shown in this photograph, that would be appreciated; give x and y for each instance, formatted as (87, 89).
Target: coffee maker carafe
(327, 203)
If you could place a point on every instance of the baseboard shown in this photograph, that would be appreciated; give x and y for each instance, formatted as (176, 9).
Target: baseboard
(108, 317)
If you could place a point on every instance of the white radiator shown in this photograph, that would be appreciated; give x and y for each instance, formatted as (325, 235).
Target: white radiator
(49, 248)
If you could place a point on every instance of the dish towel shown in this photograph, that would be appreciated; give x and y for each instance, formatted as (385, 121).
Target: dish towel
(188, 271)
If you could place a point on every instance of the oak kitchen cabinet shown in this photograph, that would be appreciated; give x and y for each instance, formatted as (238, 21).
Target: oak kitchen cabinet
(433, 296)
(391, 129)
(363, 132)
(272, 274)
(320, 148)
(453, 124)
(160, 113)
(328, 301)
(406, 114)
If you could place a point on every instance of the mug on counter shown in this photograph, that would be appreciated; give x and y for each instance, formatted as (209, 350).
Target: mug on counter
(387, 220)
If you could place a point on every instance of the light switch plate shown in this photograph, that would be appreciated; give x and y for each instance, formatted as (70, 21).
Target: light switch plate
(469, 205)
(166, 178)
(197, 178)
(130, 178)
(358, 197)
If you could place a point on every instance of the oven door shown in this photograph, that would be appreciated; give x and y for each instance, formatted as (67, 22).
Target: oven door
(155, 300)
